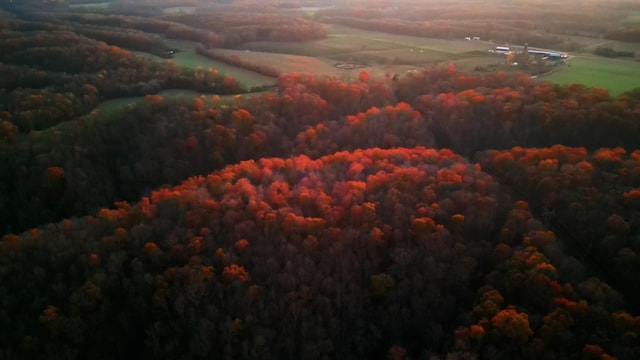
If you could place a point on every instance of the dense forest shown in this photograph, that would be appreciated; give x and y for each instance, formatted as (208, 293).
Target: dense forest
(438, 215)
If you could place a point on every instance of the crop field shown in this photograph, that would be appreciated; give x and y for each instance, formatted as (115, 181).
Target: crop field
(615, 76)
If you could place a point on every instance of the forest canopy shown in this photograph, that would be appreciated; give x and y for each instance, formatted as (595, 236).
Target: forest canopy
(437, 213)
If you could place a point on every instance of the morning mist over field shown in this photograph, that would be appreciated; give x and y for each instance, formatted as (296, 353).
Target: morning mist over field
(315, 180)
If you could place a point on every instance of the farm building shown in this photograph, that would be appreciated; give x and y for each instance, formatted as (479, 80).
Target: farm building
(538, 52)
(546, 54)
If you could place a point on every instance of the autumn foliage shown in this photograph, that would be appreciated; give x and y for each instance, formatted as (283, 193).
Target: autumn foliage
(441, 215)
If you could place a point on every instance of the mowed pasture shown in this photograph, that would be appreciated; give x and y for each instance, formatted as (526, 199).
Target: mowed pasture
(591, 44)
(452, 46)
(583, 43)
(623, 46)
(614, 75)
(631, 19)
(321, 66)
(187, 57)
(381, 53)
(284, 63)
(91, 6)
(377, 48)
(177, 10)
(110, 107)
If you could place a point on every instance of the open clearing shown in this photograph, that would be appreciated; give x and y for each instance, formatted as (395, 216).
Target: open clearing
(623, 46)
(323, 66)
(613, 75)
(282, 62)
(381, 52)
(187, 57)
(584, 43)
(91, 6)
(191, 61)
(332, 45)
(395, 57)
(176, 10)
(111, 106)
(307, 10)
(343, 40)
(633, 18)
(455, 46)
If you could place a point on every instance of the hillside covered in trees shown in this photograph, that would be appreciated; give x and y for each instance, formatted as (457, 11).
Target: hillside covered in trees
(438, 215)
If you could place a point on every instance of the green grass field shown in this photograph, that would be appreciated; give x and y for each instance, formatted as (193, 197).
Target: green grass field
(393, 41)
(343, 41)
(283, 62)
(91, 6)
(177, 10)
(380, 52)
(388, 53)
(187, 57)
(615, 76)
(190, 59)
(110, 107)
(633, 18)
(332, 45)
